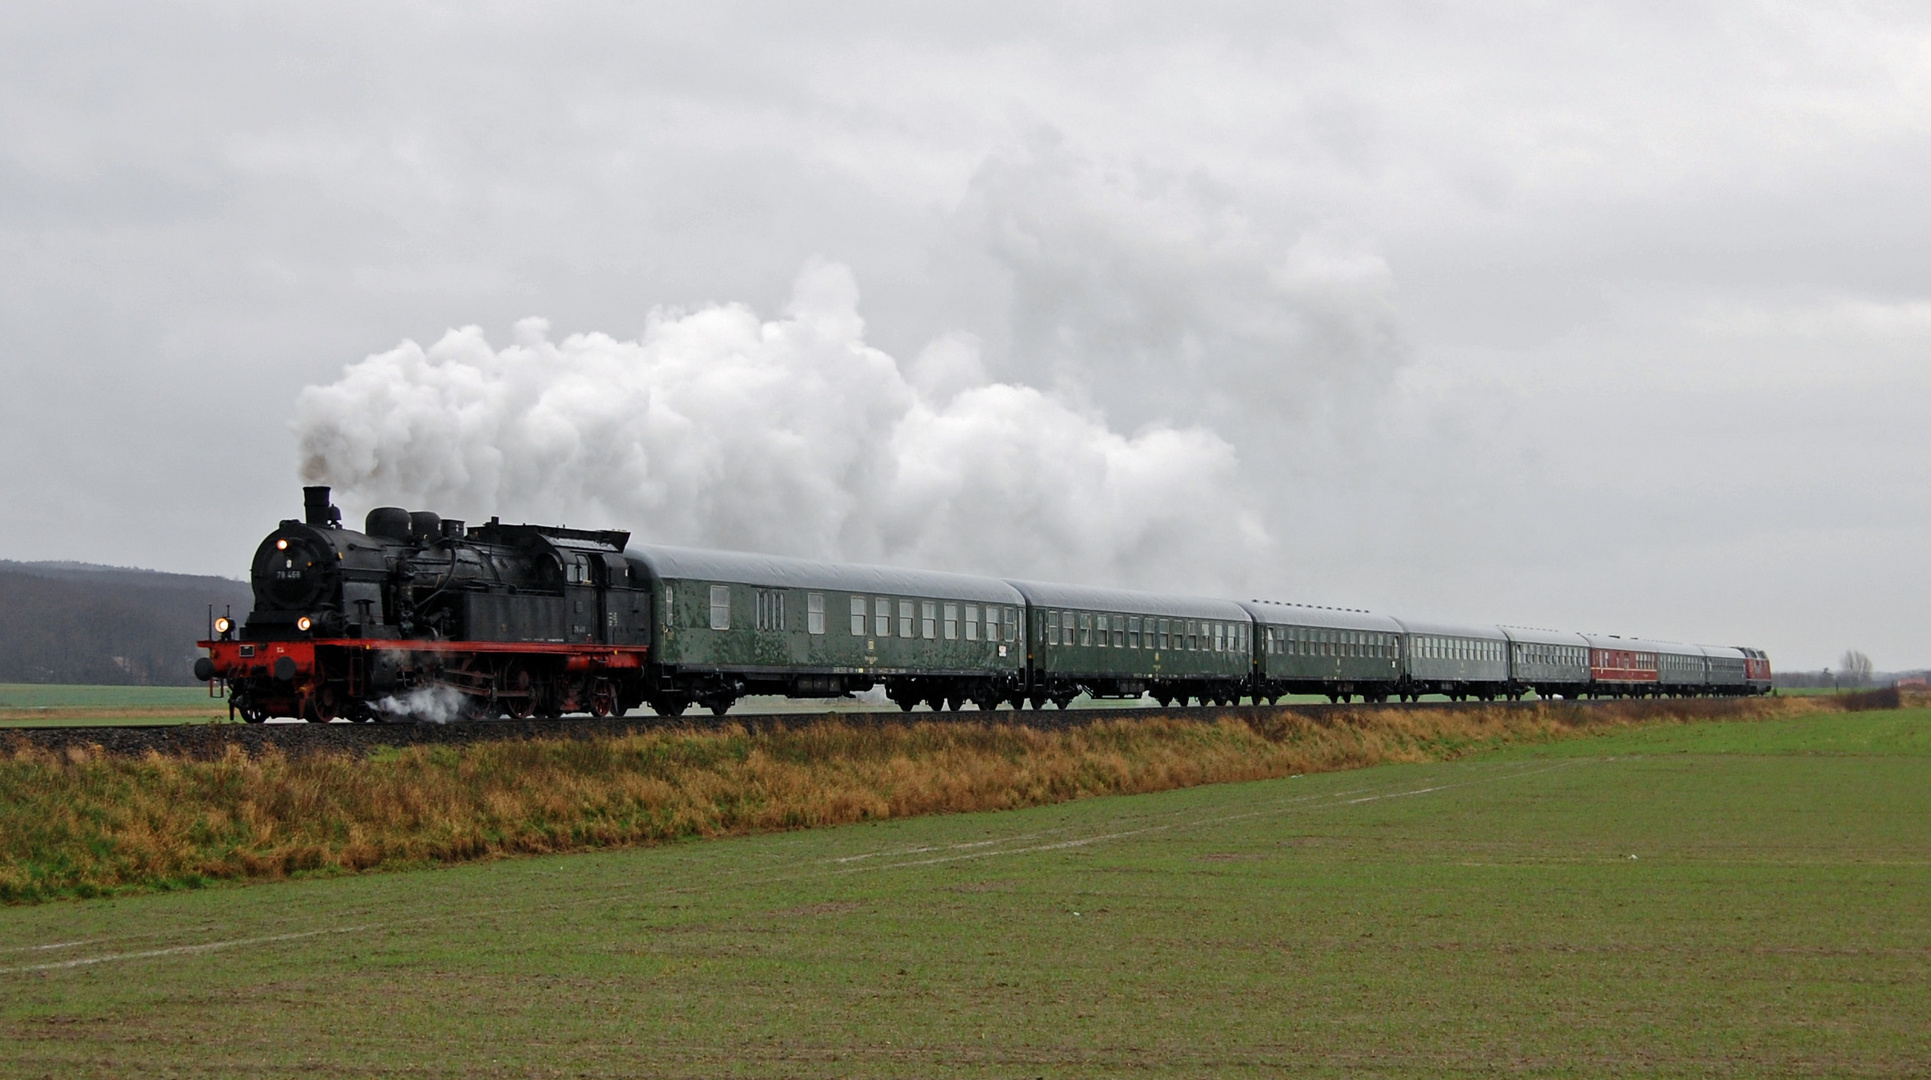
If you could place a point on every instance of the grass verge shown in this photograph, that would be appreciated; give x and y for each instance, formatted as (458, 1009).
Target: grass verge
(84, 824)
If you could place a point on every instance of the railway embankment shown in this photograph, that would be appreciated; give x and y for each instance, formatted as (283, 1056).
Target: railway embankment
(87, 812)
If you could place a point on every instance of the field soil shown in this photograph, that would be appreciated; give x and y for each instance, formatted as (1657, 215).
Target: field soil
(1722, 899)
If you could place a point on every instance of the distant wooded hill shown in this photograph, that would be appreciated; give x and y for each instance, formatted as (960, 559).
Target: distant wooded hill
(78, 623)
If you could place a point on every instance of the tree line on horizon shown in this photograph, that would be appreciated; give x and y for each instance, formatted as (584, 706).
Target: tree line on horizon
(75, 623)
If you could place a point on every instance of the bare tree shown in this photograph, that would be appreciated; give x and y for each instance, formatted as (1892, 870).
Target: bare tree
(1855, 667)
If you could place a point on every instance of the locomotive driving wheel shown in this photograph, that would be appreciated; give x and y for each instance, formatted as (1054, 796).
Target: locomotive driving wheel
(517, 697)
(603, 699)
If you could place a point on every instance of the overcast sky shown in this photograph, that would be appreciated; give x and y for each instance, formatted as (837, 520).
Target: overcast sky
(1609, 317)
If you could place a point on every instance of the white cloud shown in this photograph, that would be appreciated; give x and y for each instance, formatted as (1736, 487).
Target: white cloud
(789, 435)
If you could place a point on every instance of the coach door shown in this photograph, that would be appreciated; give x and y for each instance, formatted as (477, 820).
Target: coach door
(626, 605)
(582, 610)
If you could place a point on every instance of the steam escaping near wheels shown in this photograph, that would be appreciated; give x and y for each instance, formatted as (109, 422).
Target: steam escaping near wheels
(425, 705)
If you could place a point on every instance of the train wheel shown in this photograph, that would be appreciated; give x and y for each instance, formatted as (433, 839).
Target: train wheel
(669, 706)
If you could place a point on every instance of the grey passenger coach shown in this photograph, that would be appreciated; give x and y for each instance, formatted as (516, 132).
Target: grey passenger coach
(1459, 661)
(1549, 662)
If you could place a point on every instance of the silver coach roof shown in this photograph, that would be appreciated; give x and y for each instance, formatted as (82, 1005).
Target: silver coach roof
(1674, 648)
(1279, 613)
(1636, 644)
(1543, 637)
(745, 568)
(1440, 629)
(1093, 598)
(1726, 651)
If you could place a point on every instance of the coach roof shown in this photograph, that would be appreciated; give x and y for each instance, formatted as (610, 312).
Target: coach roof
(1534, 636)
(1094, 598)
(1278, 613)
(1438, 629)
(777, 571)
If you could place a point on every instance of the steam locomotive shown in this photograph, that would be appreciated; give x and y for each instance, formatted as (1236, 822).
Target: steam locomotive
(420, 617)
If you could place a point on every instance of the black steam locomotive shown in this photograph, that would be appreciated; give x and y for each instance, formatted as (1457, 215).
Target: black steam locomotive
(418, 615)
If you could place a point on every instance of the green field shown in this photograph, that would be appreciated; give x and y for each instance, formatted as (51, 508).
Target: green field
(1734, 899)
(57, 695)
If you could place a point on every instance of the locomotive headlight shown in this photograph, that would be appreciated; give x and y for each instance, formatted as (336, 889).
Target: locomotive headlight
(303, 623)
(282, 544)
(223, 625)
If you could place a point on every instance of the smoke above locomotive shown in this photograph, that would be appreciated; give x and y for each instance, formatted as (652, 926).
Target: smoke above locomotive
(425, 617)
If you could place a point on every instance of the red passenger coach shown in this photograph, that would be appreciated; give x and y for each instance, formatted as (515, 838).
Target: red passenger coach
(1622, 668)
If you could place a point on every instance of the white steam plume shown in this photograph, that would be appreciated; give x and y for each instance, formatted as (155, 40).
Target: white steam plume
(790, 436)
(424, 705)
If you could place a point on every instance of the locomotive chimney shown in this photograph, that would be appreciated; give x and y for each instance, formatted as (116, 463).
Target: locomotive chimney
(316, 509)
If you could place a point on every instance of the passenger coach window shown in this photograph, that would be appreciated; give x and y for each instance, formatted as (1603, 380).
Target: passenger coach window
(858, 616)
(1132, 631)
(904, 618)
(952, 622)
(1012, 624)
(1164, 640)
(928, 620)
(972, 622)
(720, 607)
(1086, 629)
(882, 617)
(815, 613)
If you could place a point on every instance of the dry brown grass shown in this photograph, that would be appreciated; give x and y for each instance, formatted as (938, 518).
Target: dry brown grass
(79, 823)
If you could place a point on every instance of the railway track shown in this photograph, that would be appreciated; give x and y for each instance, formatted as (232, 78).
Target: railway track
(214, 740)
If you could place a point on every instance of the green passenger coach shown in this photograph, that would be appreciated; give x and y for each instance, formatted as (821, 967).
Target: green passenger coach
(726, 624)
(1113, 643)
(1340, 652)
